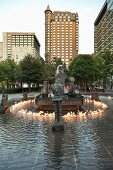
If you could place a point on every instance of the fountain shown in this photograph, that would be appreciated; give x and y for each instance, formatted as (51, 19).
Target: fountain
(59, 101)
(27, 135)
(60, 107)
(71, 101)
(4, 104)
(25, 96)
(57, 107)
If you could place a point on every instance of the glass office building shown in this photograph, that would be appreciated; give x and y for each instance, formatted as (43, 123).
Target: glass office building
(103, 29)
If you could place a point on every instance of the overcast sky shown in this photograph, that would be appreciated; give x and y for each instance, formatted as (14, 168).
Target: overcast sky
(28, 16)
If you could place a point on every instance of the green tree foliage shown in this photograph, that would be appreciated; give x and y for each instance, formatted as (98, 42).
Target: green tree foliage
(104, 65)
(50, 69)
(82, 69)
(108, 63)
(31, 70)
(7, 72)
(99, 69)
(56, 62)
(11, 71)
(2, 75)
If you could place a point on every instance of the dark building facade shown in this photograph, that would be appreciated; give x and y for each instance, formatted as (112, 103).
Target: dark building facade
(103, 29)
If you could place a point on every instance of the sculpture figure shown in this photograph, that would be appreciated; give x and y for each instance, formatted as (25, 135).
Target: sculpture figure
(4, 103)
(58, 91)
(58, 88)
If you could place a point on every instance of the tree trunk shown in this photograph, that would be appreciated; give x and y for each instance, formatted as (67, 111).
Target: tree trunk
(29, 87)
(7, 84)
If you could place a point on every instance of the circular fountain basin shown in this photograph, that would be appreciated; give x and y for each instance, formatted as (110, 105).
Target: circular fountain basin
(27, 141)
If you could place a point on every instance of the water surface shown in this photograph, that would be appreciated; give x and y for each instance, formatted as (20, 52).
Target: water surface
(30, 144)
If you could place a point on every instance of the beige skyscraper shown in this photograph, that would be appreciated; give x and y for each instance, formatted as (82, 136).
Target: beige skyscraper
(61, 35)
(16, 45)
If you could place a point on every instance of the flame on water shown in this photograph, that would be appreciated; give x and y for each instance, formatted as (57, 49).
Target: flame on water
(21, 109)
(93, 109)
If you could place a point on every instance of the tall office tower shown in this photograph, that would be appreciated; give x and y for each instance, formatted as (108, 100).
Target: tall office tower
(103, 29)
(16, 45)
(61, 35)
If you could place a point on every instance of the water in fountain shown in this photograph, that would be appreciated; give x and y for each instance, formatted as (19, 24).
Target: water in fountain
(27, 110)
(27, 142)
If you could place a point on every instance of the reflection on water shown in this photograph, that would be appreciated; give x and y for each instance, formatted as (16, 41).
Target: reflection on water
(27, 141)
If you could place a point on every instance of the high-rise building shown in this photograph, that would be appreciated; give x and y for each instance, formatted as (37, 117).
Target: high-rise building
(103, 29)
(16, 45)
(61, 35)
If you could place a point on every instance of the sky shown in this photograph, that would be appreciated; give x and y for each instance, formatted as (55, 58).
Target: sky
(28, 16)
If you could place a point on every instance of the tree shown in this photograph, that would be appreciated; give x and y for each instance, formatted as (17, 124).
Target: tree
(107, 64)
(2, 74)
(7, 72)
(56, 62)
(99, 70)
(11, 71)
(48, 72)
(82, 69)
(50, 69)
(31, 70)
